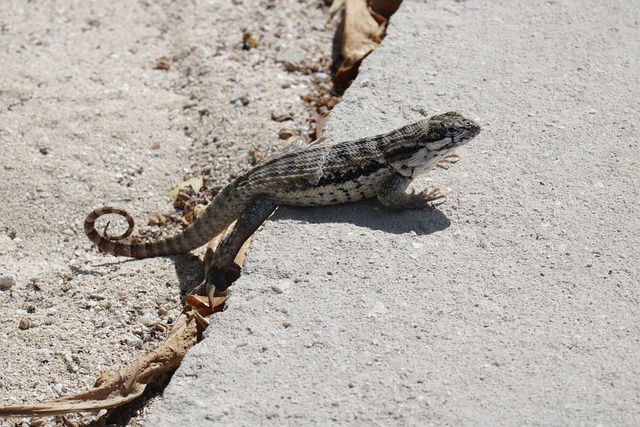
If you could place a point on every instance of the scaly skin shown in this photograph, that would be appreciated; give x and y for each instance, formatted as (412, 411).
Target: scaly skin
(381, 166)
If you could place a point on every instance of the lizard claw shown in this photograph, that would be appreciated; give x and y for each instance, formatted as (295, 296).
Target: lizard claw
(198, 290)
(421, 200)
(209, 290)
(215, 284)
(432, 195)
(448, 160)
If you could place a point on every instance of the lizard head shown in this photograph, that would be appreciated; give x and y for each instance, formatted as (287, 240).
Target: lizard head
(450, 130)
(440, 137)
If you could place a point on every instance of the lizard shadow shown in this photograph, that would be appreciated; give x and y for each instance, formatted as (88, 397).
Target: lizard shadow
(189, 270)
(369, 214)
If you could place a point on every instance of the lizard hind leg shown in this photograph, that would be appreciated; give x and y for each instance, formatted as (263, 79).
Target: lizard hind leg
(256, 212)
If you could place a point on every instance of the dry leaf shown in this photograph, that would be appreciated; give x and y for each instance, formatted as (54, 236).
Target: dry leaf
(116, 389)
(156, 218)
(363, 27)
(162, 63)
(195, 183)
(362, 33)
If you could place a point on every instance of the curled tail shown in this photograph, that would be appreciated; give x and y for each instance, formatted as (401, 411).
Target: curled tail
(115, 246)
(108, 243)
(197, 234)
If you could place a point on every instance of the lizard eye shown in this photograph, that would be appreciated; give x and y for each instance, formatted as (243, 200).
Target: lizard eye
(452, 130)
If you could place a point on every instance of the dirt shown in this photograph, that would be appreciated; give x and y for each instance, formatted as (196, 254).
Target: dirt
(114, 103)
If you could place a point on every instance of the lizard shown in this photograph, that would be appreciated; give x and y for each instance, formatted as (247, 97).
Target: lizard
(379, 167)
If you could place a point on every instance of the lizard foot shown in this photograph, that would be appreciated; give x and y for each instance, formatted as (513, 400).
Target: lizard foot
(432, 195)
(214, 285)
(393, 194)
(447, 161)
(423, 199)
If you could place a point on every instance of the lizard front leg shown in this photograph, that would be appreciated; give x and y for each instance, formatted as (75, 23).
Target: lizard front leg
(393, 194)
(256, 212)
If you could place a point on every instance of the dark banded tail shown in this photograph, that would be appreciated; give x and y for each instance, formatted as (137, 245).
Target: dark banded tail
(191, 238)
(108, 243)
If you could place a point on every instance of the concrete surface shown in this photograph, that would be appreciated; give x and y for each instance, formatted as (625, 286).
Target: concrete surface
(514, 303)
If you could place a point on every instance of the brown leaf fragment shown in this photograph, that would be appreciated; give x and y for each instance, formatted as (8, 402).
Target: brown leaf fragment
(162, 63)
(321, 120)
(281, 116)
(67, 422)
(363, 31)
(385, 8)
(286, 133)
(157, 218)
(195, 184)
(119, 388)
(199, 210)
(256, 156)
(238, 261)
(248, 40)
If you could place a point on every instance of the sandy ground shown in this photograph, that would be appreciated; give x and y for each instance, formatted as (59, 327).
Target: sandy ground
(514, 303)
(87, 120)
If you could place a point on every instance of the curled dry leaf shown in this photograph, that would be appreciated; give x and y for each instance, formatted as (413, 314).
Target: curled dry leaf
(162, 63)
(363, 30)
(195, 183)
(116, 389)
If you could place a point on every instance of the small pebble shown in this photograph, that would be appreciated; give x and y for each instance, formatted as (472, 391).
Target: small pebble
(25, 323)
(280, 287)
(291, 55)
(134, 342)
(61, 389)
(7, 280)
(68, 232)
(147, 318)
(240, 99)
(42, 355)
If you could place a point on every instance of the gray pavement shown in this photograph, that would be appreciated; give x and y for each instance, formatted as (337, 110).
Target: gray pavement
(514, 303)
